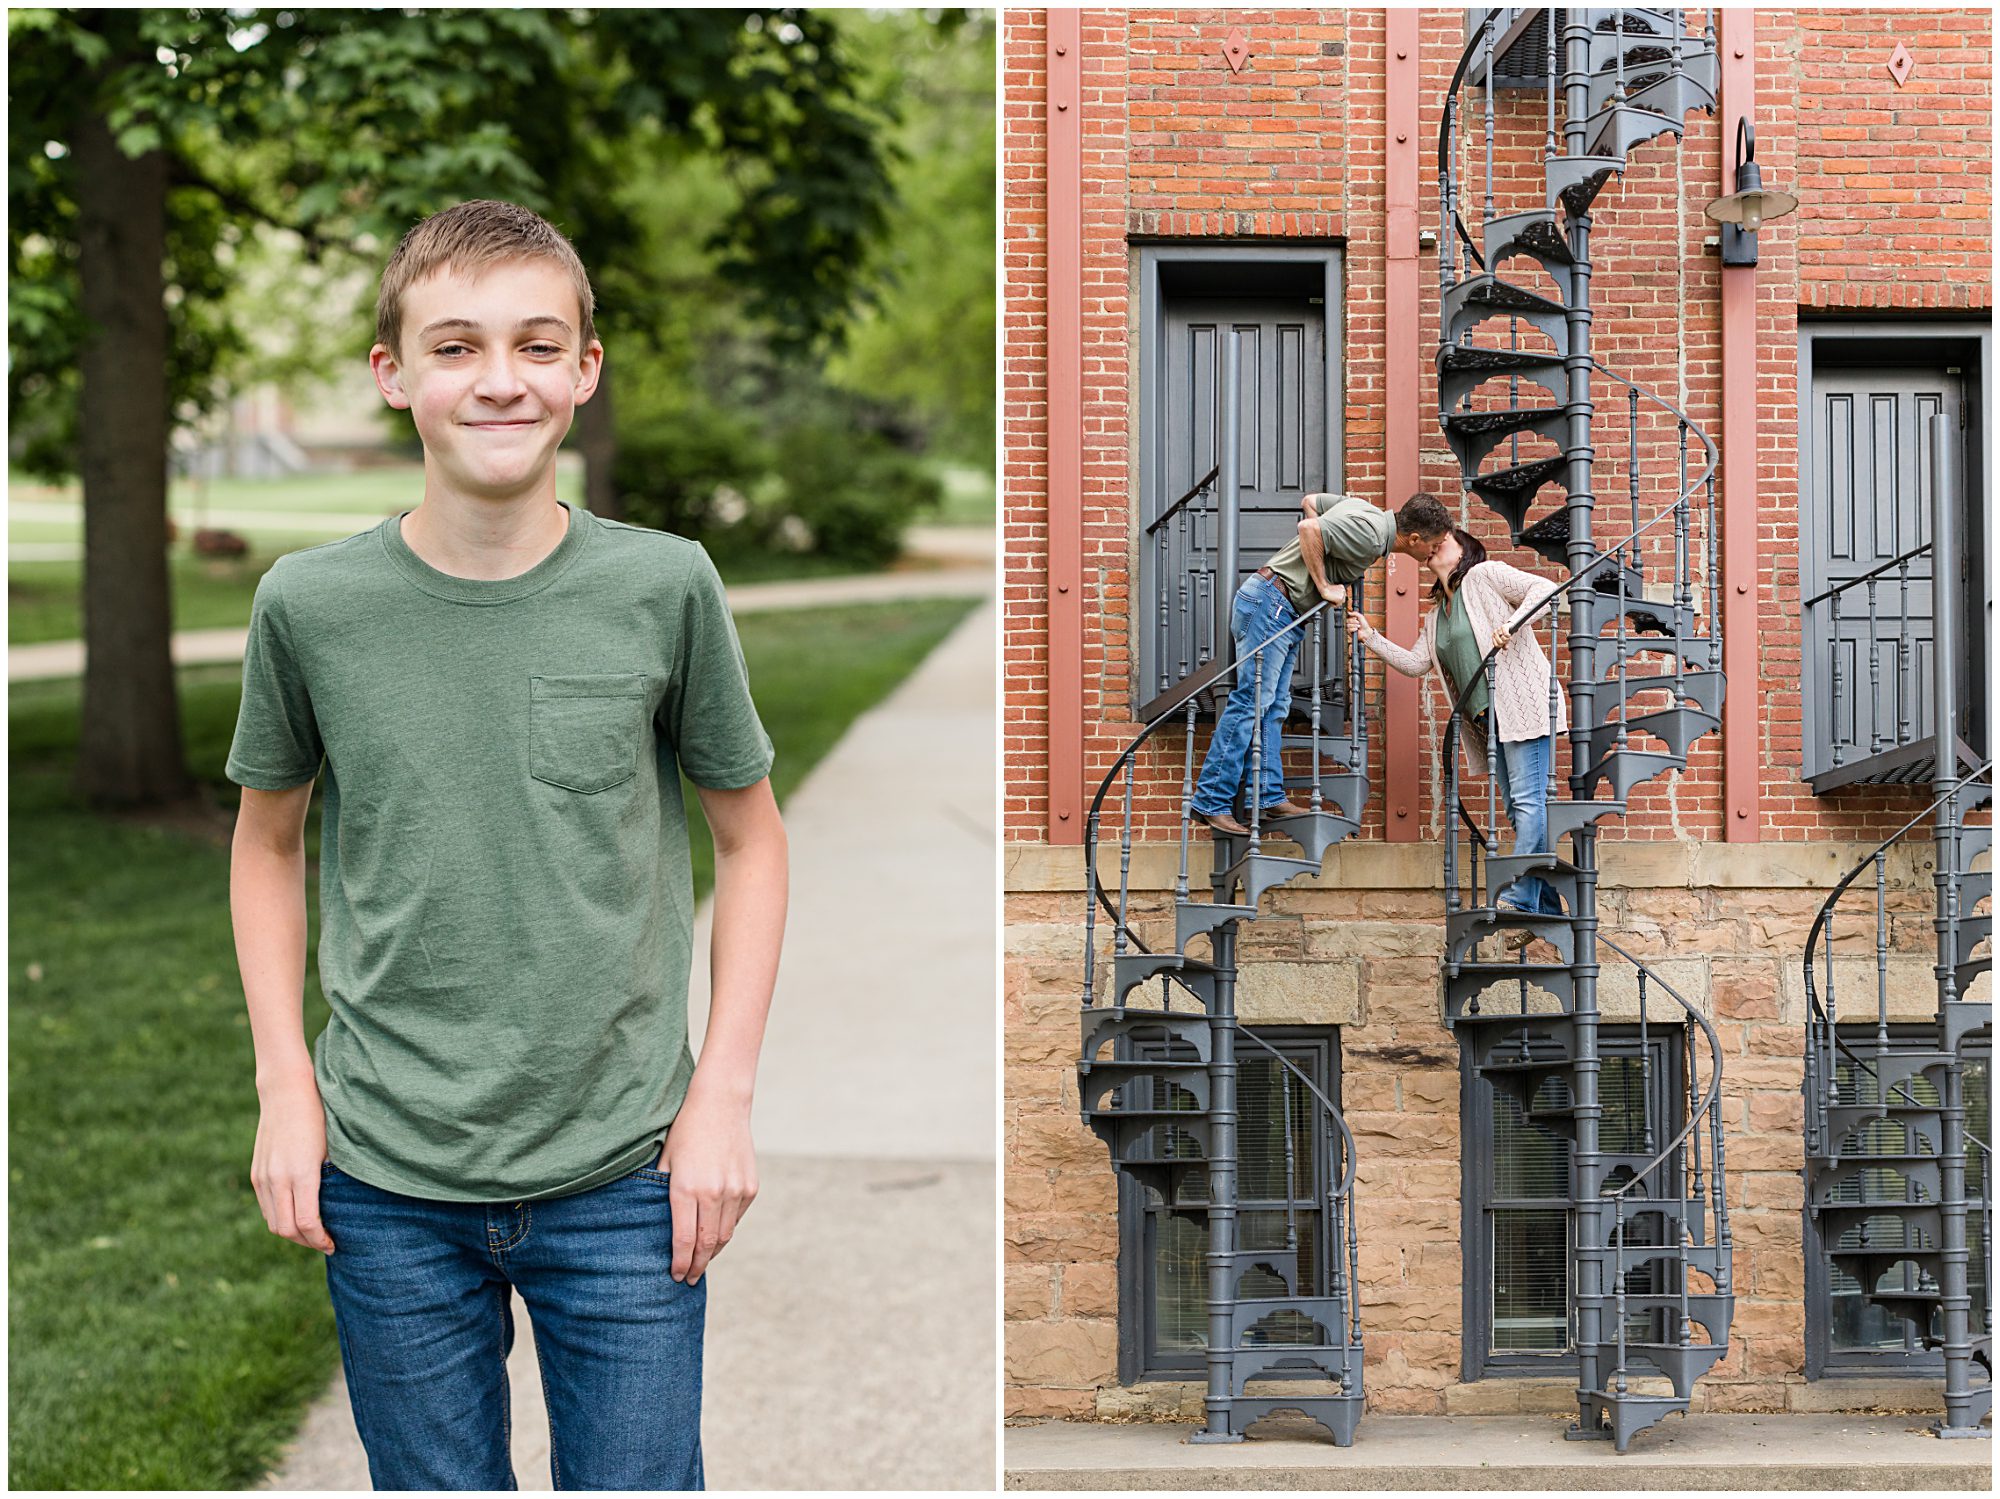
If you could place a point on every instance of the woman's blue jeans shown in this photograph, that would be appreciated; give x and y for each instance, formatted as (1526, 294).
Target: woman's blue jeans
(1524, 786)
(1261, 609)
(421, 1299)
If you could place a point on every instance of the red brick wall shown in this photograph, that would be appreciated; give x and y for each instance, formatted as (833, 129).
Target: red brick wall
(1895, 184)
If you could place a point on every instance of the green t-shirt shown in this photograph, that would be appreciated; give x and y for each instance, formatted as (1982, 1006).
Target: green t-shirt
(1355, 536)
(506, 909)
(1458, 648)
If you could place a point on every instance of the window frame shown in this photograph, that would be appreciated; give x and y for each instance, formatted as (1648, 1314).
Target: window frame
(1139, 1358)
(1823, 1360)
(1478, 1360)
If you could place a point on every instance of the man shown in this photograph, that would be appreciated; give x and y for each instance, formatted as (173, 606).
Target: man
(504, 690)
(1338, 541)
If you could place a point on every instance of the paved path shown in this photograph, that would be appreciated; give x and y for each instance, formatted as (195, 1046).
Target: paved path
(850, 1338)
(1521, 1452)
(64, 658)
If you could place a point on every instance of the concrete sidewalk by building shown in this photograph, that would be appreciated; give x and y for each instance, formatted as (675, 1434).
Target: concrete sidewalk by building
(1781, 1453)
(851, 1322)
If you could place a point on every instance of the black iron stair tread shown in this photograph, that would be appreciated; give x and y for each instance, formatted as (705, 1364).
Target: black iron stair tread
(1477, 357)
(1504, 419)
(1525, 476)
(1533, 231)
(1504, 970)
(1491, 291)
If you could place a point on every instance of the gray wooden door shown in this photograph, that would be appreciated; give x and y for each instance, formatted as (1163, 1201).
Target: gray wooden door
(1282, 458)
(1869, 497)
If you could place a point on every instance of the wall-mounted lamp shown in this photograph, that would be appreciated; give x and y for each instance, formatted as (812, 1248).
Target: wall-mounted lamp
(1750, 205)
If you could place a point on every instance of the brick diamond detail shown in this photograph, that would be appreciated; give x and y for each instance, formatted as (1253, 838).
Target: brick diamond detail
(1900, 63)
(1236, 50)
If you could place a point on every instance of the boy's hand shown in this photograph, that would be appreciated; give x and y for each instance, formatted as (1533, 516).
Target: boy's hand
(713, 1167)
(284, 1166)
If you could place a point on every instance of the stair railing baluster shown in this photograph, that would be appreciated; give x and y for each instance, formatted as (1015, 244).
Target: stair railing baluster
(1713, 541)
(1125, 862)
(1905, 689)
(1492, 758)
(1632, 452)
(1187, 802)
(1618, 1238)
(1833, 652)
(1090, 906)
(1291, 1169)
(1549, 148)
(1486, 88)
(1318, 676)
(1645, 1068)
(1182, 634)
(1874, 676)
(1881, 953)
(1684, 592)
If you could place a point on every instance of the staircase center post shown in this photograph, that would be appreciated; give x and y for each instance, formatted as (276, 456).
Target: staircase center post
(1961, 1414)
(1587, 1174)
(1221, 1187)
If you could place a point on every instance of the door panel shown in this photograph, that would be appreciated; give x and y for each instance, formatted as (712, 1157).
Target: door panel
(1282, 458)
(1869, 500)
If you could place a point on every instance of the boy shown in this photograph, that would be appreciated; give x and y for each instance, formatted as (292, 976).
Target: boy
(1335, 546)
(503, 689)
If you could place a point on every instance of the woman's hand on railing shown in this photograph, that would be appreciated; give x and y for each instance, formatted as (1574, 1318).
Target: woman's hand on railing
(1500, 638)
(1358, 626)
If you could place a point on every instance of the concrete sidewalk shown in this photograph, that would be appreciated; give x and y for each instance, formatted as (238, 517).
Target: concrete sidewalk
(1786, 1453)
(851, 1322)
(64, 658)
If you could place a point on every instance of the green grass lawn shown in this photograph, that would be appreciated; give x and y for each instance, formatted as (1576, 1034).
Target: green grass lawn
(43, 597)
(161, 1338)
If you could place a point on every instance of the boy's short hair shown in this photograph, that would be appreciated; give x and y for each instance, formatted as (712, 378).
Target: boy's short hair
(470, 237)
(1423, 515)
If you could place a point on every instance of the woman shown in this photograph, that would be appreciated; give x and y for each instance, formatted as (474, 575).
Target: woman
(1477, 604)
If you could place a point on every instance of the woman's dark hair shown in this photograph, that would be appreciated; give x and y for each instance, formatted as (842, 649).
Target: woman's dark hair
(1471, 552)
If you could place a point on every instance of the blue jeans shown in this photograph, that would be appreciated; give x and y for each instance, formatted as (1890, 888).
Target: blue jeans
(421, 1299)
(1524, 786)
(1262, 608)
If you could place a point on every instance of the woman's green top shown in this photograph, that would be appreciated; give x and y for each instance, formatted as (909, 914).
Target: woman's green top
(1458, 649)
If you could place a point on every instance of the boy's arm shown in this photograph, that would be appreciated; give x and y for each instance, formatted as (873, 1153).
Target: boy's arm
(267, 905)
(709, 1154)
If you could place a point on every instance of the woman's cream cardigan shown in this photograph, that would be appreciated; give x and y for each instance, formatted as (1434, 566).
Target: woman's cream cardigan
(1495, 595)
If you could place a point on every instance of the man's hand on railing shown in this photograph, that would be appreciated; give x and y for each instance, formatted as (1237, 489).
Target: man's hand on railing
(1334, 593)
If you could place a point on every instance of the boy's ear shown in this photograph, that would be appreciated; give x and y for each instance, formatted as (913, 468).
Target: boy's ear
(388, 376)
(590, 365)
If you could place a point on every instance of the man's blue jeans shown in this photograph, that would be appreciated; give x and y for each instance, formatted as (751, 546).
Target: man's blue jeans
(1261, 609)
(1524, 786)
(421, 1299)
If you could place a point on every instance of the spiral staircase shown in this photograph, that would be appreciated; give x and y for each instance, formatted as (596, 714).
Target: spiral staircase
(1650, 1257)
(1886, 1136)
(1160, 1047)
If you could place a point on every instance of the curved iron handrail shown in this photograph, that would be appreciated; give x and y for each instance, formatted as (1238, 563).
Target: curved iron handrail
(1714, 1094)
(1346, 1184)
(1172, 510)
(1817, 1012)
(1450, 118)
(1100, 895)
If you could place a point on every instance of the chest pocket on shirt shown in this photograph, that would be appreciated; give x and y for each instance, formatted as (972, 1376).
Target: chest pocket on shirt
(585, 733)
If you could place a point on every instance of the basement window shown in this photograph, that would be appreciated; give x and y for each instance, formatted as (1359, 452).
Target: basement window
(1163, 1280)
(1844, 1333)
(1519, 1293)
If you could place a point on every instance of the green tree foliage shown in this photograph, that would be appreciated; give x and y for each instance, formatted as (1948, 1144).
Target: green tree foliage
(344, 126)
(927, 346)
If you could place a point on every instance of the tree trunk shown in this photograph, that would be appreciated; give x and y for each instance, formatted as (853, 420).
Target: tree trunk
(130, 753)
(597, 440)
